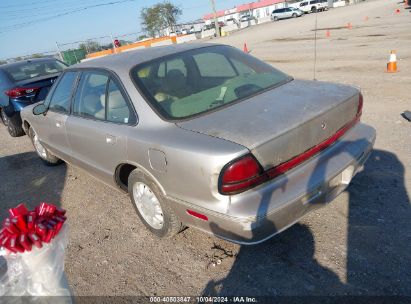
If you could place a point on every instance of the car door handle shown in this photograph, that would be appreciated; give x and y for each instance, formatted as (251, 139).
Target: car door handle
(110, 139)
(59, 123)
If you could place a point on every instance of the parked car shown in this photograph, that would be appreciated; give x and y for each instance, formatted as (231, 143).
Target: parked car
(231, 21)
(313, 6)
(235, 148)
(245, 18)
(283, 13)
(23, 83)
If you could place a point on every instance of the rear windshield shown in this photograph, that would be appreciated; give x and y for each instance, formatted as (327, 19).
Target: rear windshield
(194, 82)
(30, 70)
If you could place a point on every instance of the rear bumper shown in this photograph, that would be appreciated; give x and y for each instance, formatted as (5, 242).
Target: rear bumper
(260, 213)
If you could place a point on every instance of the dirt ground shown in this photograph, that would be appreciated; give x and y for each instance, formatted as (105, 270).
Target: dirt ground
(359, 245)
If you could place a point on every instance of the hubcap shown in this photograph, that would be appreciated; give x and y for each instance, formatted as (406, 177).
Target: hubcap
(148, 205)
(41, 151)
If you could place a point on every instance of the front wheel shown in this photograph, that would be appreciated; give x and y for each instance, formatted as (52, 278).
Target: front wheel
(314, 9)
(151, 206)
(294, 15)
(275, 18)
(48, 158)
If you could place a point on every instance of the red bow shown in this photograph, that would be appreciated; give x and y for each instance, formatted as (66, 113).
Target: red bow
(24, 228)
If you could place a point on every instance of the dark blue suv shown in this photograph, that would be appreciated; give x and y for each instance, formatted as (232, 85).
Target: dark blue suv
(23, 83)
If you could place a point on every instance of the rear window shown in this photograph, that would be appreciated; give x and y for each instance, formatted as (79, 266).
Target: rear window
(203, 80)
(33, 69)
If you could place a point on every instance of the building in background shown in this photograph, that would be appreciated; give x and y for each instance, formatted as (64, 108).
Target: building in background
(259, 10)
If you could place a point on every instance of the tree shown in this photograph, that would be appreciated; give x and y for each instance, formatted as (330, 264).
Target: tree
(170, 14)
(159, 16)
(90, 46)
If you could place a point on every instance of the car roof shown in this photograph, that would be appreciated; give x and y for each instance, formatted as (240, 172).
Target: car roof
(23, 62)
(126, 60)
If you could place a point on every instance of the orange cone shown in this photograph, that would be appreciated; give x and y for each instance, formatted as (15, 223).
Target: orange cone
(366, 18)
(392, 64)
(349, 25)
(245, 48)
(328, 34)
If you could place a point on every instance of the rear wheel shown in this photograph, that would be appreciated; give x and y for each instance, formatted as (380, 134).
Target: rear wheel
(14, 126)
(151, 206)
(4, 117)
(313, 9)
(294, 15)
(48, 158)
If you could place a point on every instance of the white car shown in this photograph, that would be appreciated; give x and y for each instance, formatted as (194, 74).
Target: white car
(288, 12)
(313, 6)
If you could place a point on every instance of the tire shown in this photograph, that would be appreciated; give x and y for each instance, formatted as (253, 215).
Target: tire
(14, 126)
(4, 118)
(144, 192)
(313, 9)
(48, 158)
(294, 15)
(275, 18)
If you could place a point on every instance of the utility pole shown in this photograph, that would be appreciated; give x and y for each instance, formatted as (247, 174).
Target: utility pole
(60, 54)
(217, 26)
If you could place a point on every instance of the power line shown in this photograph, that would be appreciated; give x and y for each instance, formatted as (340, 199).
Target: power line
(43, 8)
(28, 23)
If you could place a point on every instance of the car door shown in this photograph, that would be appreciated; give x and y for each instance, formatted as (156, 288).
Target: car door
(97, 130)
(287, 12)
(51, 127)
(282, 14)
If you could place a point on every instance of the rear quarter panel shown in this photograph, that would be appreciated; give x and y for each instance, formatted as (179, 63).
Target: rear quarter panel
(192, 163)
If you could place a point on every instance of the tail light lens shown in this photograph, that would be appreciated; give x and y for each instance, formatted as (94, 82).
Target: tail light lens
(240, 175)
(21, 92)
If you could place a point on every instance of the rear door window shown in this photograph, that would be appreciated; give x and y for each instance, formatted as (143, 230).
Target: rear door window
(61, 99)
(118, 110)
(90, 101)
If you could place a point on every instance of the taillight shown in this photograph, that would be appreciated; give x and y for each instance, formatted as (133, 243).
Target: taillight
(360, 105)
(20, 92)
(240, 175)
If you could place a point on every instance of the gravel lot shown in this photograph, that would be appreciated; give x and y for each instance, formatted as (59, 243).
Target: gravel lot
(358, 245)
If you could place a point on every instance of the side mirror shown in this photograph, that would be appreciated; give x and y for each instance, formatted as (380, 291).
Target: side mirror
(40, 109)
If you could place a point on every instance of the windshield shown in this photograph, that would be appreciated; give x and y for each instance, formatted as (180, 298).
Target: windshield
(198, 81)
(28, 70)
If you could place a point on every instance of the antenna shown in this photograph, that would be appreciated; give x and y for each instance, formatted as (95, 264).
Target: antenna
(315, 46)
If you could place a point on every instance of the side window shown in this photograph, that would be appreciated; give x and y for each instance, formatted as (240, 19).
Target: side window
(117, 108)
(61, 99)
(90, 100)
(214, 65)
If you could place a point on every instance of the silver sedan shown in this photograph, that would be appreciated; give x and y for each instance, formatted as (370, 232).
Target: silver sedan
(206, 136)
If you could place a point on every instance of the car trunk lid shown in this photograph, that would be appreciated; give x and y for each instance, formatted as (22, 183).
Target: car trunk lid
(282, 123)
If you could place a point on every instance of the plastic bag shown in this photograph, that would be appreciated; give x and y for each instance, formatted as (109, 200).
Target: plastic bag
(39, 272)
